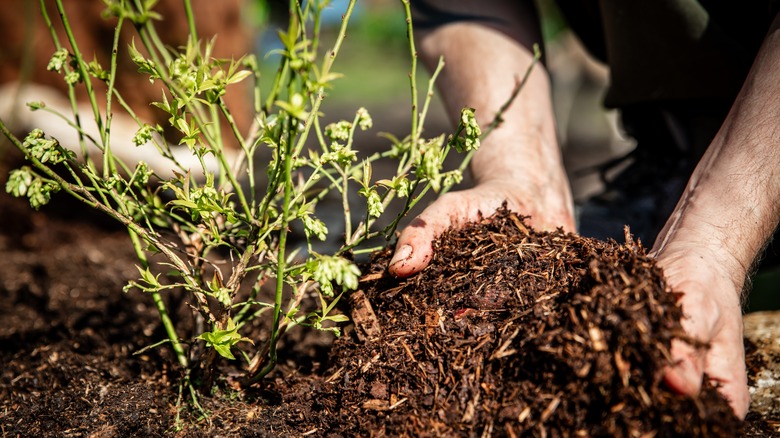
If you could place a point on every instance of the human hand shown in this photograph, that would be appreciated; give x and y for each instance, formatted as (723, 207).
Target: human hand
(414, 248)
(711, 305)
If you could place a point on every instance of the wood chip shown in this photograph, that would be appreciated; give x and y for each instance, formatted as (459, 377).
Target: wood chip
(366, 324)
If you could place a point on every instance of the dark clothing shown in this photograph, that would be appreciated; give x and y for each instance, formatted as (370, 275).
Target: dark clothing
(657, 50)
(686, 59)
(671, 50)
(676, 67)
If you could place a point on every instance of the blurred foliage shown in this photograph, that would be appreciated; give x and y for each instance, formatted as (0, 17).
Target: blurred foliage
(553, 23)
(373, 59)
(382, 26)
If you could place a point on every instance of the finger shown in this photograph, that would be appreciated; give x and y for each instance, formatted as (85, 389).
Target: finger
(725, 364)
(723, 361)
(414, 249)
(685, 374)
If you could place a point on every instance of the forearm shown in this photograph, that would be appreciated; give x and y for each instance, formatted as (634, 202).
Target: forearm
(732, 201)
(485, 61)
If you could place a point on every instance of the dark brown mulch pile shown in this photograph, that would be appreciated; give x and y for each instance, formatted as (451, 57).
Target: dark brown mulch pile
(512, 332)
(68, 334)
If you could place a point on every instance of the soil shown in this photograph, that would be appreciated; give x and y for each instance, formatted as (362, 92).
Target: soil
(509, 332)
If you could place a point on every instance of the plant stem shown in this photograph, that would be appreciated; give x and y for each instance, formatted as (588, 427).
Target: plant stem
(108, 162)
(345, 206)
(320, 95)
(170, 330)
(82, 68)
(498, 119)
(413, 74)
(429, 94)
(191, 21)
(280, 260)
(71, 89)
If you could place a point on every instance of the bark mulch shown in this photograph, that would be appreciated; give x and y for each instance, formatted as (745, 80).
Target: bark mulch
(509, 332)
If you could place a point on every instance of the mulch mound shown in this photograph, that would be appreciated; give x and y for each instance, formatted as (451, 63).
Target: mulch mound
(508, 332)
(513, 332)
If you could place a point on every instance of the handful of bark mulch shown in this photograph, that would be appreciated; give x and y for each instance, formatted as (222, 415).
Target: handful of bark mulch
(513, 332)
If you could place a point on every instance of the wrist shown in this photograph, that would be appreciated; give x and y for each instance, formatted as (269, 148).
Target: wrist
(702, 256)
(727, 212)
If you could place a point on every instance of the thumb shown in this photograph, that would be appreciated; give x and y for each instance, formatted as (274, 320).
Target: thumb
(414, 249)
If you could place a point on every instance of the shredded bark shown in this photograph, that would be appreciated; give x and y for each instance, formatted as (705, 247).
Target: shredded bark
(509, 332)
(514, 332)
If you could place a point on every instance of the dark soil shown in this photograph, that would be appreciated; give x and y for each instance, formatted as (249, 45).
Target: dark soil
(509, 332)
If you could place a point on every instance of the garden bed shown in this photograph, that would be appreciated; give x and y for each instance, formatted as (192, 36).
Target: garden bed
(507, 331)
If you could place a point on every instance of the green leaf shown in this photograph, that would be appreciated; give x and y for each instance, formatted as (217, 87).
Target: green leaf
(223, 340)
(150, 279)
(296, 107)
(337, 318)
(224, 351)
(239, 76)
(183, 203)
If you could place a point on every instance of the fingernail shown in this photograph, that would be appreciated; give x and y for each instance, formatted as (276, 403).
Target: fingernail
(401, 253)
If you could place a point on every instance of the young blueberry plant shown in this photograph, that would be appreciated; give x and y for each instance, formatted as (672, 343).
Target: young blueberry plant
(188, 216)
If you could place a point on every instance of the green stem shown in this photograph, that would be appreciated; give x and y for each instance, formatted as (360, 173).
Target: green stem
(82, 68)
(345, 206)
(429, 94)
(281, 263)
(320, 95)
(225, 166)
(498, 118)
(410, 203)
(170, 330)
(214, 130)
(71, 89)
(276, 88)
(241, 314)
(413, 74)
(164, 151)
(316, 28)
(191, 21)
(155, 46)
(108, 162)
(462, 168)
(339, 39)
